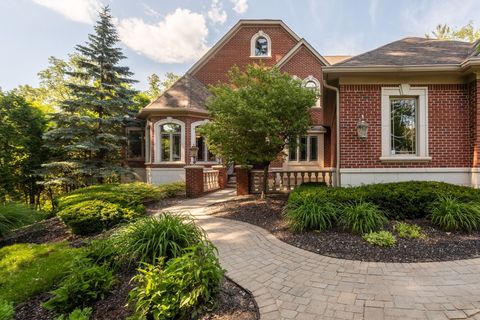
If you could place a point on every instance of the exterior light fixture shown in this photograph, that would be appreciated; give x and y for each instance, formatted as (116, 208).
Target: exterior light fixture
(194, 153)
(362, 128)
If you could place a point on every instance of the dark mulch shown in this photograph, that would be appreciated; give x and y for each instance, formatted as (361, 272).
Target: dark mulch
(438, 245)
(234, 303)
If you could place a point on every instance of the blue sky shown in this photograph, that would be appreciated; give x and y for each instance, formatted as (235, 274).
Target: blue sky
(159, 36)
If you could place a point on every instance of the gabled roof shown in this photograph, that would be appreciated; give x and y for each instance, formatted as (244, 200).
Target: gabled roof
(336, 59)
(413, 52)
(187, 94)
(232, 31)
(297, 47)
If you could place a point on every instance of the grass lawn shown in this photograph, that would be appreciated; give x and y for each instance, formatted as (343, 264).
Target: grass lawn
(29, 269)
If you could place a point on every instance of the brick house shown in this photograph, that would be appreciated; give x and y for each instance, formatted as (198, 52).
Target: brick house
(417, 97)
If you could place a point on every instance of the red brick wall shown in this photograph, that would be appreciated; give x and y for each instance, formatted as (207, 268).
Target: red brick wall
(194, 181)
(448, 127)
(236, 51)
(474, 87)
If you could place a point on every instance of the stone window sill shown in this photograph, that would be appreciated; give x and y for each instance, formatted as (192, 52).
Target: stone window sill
(405, 159)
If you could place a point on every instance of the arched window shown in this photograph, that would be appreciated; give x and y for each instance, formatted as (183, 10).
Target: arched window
(313, 84)
(169, 140)
(261, 45)
(204, 155)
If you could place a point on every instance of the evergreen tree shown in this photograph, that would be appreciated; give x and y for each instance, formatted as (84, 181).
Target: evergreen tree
(88, 132)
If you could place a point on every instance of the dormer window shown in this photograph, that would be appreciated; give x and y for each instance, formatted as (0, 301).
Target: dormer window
(261, 45)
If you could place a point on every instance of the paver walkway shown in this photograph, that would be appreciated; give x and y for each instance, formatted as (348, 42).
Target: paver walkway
(290, 283)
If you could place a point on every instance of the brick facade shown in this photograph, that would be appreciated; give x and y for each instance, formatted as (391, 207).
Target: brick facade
(194, 181)
(449, 134)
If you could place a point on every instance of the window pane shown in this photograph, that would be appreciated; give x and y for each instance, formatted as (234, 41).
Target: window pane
(292, 153)
(165, 138)
(303, 149)
(201, 149)
(311, 85)
(175, 147)
(261, 47)
(170, 128)
(313, 148)
(403, 122)
(135, 143)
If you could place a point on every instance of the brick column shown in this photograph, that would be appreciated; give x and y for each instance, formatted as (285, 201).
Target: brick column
(222, 175)
(243, 180)
(194, 181)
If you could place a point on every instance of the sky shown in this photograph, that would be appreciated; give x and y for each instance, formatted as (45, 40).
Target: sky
(160, 36)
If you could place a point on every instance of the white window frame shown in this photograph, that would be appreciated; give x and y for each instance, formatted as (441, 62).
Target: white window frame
(157, 142)
(253, 40)
(308, 161)
(193, 139)
(405, 90)
(319, 89)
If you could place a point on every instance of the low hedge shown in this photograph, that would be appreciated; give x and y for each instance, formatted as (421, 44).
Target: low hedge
(400, 200)
(97, 208)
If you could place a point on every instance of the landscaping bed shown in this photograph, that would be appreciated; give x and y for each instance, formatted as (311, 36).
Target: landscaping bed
(438, 245)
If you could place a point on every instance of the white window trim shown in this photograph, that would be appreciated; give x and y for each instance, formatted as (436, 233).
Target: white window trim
(320, 151)
(319, 89)
(252, 45)
(157, 143)
(193, 140)
(421, 93)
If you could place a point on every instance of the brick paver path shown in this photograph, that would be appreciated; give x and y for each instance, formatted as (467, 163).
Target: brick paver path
(291, 283)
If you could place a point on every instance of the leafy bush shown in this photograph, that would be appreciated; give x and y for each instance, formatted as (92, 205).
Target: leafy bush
(380, 238)
(87, 283)
(362, 217)
(408, 231)
(181, 289)
(6, 310)
(150, 238)
(29, 269)
(15, 215)
(450, 214)
(93, 216)
(309, 213)
(400, 200)
(77, 314)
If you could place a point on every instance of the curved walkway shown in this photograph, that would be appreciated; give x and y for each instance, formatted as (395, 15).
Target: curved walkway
(291, 283)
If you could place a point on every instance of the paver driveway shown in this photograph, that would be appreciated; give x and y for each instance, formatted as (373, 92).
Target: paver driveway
(290, 283)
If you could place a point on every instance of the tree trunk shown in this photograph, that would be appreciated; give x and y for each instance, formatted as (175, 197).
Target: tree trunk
(265, 181)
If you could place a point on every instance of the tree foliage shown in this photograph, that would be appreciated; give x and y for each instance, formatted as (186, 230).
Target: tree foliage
(157, 86)
(87, 134)
(445, 32)
(21, 151)
(255, 114)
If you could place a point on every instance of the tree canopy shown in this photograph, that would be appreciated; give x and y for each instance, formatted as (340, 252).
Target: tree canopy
(445, 32)
(256, 114)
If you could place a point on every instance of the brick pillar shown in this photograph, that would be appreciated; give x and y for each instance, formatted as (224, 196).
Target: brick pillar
(194, 181)
(222, 175)
(243, 180)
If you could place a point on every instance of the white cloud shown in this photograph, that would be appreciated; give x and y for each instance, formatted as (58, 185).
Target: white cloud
(240, 6)
(180, 37)
(84, 11)
(216, 13)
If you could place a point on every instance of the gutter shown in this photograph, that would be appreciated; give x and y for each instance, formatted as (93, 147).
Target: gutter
(337, 124)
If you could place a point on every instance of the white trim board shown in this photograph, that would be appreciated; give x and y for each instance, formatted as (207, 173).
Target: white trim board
(406, 170)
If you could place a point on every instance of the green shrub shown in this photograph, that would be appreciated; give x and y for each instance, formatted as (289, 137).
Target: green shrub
(150, 238)
(380, 238)
(400, 200)
(15, 215)
(87, 283)
(77, 314)
(362, 217)
(6, 310)
(180, 290)
(408, 231)
(308, 213)
(451, 215)
(93, 216)
(29, 269)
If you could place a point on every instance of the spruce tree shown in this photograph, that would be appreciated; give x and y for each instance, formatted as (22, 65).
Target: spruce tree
(88, 134)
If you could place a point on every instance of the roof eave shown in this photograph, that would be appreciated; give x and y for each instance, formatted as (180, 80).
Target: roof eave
(145, 112)
(383, 68)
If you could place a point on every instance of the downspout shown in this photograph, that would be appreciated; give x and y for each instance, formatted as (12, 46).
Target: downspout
(337, 118)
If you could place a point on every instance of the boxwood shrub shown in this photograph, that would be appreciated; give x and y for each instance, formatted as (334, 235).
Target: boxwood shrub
(399, 200)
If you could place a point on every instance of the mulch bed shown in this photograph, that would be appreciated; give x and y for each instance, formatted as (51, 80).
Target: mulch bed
(438, 245)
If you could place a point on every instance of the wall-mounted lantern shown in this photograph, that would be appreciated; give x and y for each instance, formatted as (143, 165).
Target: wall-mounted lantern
(362, 128)
(194, 153)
